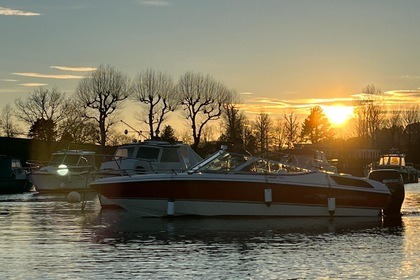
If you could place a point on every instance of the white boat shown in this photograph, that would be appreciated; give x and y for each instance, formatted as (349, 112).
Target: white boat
(147, 157)
(67, 170)
(227, 184)
(396, 161)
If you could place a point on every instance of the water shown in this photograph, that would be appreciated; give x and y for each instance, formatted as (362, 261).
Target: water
(45, 237)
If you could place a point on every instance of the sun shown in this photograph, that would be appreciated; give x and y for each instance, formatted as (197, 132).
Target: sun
(338, 114)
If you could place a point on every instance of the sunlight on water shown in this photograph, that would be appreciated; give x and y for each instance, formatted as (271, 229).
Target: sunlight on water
(44, 237)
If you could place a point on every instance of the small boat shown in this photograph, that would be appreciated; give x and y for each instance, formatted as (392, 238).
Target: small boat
(149, 156)
(396, 161)
(229, 184)
(395, 183)
(13, 177)
(67, 170)
(146, 157)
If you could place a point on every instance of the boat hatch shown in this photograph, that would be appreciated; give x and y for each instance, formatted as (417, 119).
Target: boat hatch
(351, 182)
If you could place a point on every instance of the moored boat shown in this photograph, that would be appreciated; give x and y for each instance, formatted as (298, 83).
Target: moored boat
(13, 177)
(147, 157)
(397, 161)
(228, 184)
(395, 183)
(67, 170)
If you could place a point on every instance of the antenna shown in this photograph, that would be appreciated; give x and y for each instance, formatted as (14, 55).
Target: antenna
(139, 132)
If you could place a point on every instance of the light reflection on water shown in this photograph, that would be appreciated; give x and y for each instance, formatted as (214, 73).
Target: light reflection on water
(46, 237)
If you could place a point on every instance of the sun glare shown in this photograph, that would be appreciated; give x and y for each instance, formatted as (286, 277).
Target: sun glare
(338, 115)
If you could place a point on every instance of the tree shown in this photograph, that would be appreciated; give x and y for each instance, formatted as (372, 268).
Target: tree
(291, 126)
(202, 99)
(233, 122)
(168, 134)
(279, 134)
(369, 114)
(101, 94)
(43, 130)
(76, 127)
(411, 115)
(262, 127)
(395, 127)
(316, 126)
(7, 123)
(43, 104)
(156, 91)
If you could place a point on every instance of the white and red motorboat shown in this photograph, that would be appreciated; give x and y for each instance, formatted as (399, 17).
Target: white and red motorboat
(228, 184)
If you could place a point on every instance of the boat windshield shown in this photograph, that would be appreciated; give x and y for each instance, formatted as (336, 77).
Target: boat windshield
(238, 163)
(64, 159)
(224, 162)
(392, 160)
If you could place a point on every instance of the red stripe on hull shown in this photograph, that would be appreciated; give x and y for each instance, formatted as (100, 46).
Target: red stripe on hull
(242, 192)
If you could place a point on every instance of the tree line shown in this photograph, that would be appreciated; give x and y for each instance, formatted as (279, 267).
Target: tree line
(90, 114)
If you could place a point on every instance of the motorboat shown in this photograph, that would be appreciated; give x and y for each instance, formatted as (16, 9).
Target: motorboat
(149, 156)
(396, 161)
(67, 170)
(230, 184)
(395, 183)
(13, 177)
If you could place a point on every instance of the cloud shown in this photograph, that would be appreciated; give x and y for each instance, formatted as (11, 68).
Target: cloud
(37, 75)
(8, 80)
(74, 69)
(33, 85)
(159, 3)
(409, 77)
(11, 12)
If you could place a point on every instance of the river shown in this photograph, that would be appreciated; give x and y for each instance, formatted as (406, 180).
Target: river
(45, 237)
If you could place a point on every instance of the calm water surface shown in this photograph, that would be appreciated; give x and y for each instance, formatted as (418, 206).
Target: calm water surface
(45, 237)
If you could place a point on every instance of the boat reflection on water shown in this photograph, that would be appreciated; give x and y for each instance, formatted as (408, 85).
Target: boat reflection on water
(121, 226)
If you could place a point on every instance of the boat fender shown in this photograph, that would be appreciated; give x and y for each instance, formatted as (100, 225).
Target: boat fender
(73, 197)
(170, 210)
(331, 206)
(268, 197)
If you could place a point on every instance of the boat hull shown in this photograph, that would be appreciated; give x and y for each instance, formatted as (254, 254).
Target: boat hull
(160, 208)
(47, 182)
(209, 195)
(13, 186)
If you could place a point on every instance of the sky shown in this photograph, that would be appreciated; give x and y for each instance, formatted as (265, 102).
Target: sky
(280, 55)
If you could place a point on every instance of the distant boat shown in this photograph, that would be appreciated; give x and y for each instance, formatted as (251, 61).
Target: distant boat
(67, 170)
(13, 177)
(147, 157)
(395, 183)
(396, 161)
(229, 184)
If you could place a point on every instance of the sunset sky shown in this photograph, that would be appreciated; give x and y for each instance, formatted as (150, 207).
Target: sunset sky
(278, 54)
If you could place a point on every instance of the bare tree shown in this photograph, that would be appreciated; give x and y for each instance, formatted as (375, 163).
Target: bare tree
(279, 134)
(7, 123)
(395, 126)
(42, 104)
(156, 91)
(77, 127)
(411, 115)
(369, 113)
(202, 99)
(101, 94)
(291, 126)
